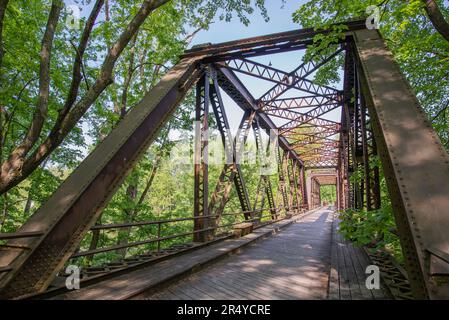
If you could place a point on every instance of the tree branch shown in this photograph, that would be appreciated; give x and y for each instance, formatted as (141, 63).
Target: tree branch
(13, 172)
(188, 39)
(3, 5)
(82, 71)
(128, 78)
(76, 77)
(15, 160)
(441, 111)
(437, 18)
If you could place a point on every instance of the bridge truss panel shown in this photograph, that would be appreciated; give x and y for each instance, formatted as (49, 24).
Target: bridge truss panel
(415, 163)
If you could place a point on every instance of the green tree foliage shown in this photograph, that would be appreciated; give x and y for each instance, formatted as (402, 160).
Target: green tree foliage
(328, 194)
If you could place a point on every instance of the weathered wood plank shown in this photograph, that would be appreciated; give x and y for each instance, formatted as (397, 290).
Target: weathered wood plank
(345, 293)
(274, 288)
(290, 265)
(334, 285)
(360, 268)
(354, 285)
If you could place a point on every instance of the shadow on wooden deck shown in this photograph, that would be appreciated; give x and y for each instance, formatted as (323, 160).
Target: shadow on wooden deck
(307, 260)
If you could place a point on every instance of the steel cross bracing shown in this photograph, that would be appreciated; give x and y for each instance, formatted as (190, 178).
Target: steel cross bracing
(379, 117)
(264, 180)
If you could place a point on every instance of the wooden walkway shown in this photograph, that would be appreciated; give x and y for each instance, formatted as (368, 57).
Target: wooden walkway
(307, 260)
(347, 271)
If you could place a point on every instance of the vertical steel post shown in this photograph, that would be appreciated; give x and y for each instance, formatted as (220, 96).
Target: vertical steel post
(376, 177)
(201, 192)
(296, 169)
(366, 166)
(305, 201)
(282, 184)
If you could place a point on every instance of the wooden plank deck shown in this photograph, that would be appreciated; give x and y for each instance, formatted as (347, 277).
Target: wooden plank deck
(347, 271)
(127, 285)
(307, 260)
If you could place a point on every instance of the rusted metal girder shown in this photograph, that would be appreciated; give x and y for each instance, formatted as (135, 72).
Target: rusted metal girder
(295, 178)
(325, 179)
(264, 181)
(317, 134)
(233, 148)
(315, 195)
(281, 160)
(302, 181)
(366, 165)
(302, 102)
(376, 176)
(268, 44)
(296, 76)
(291, 186)
(316, 179)
(311, 123)
(280, 77)
(342, 165)
(74, 207)
(201, 176)
(348, 130)
(415, 163)
(298, 119)
(229, 82)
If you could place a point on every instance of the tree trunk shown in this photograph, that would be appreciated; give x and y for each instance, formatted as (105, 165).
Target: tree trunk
(131, 216)
(131, 195)
(94, 241)
(4, 211)
(18, 167)
(3, 5)
(437, 18)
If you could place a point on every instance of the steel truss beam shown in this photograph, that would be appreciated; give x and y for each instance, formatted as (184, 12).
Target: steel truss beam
(296, 76)
(303, 184)
(282, 159)
(231, 171)
(269, 44)
(318, 179)
(302, 102)
(264, 181)
(415, 163)
(229, 82)
(294, 189)
(310, 123)
(302, 140)
(297, 119)
(280, 77)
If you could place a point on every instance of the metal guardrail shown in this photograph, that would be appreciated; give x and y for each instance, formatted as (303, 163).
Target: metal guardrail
(18, 235)
(159, 239)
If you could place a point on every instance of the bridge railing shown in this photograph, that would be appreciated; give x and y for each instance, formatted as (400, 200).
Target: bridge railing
(158, 239)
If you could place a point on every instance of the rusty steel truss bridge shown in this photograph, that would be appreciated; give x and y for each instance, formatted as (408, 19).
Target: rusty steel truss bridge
(380, 117)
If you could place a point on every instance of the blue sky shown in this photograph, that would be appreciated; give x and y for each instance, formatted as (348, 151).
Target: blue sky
(280, 20)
